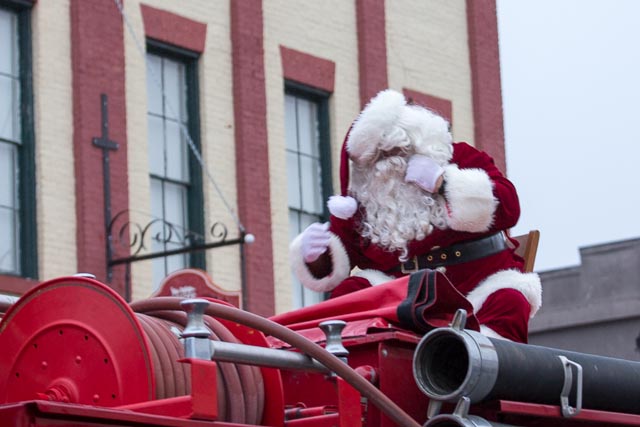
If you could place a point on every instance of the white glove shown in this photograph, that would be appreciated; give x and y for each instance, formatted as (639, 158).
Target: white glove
(315, 241)
(424, 172)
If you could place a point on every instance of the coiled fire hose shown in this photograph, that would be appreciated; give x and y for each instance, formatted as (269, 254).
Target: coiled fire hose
(268, 327)
(240, 389)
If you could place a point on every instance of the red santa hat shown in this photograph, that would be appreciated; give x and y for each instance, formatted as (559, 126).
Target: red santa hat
(388, 122)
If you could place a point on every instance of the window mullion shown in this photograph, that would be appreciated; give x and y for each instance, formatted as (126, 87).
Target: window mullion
(298, 159)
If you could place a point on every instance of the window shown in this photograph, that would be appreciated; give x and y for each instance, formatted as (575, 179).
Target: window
(308, 168)
(176, 182)
(17, 171)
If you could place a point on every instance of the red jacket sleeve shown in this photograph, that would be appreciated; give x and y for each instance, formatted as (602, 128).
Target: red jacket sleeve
(508, 209)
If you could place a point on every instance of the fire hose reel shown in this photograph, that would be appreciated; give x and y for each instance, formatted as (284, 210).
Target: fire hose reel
(74, 340)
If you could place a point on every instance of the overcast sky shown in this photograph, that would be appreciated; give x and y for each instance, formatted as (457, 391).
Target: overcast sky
(571, 97)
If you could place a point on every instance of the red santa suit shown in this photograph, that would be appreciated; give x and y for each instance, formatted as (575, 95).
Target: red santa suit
(471, 247)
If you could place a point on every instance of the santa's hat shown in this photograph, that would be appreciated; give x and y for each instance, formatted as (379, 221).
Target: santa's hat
(388, 122)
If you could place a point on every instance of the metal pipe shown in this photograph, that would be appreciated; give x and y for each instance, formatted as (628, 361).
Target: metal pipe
(450, 363)
(261, 356)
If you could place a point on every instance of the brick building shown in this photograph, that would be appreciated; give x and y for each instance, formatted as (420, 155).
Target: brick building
(264, 91)
(593, 307)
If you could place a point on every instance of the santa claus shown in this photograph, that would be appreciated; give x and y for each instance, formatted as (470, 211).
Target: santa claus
(416, 200)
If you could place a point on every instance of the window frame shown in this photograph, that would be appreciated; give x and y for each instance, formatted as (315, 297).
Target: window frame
(321, 99)
(26, 176)
(195, 190)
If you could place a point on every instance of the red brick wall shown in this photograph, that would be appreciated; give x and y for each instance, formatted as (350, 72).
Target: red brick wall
(308, 69)
(485, 74)
(372, 48)
(97, 58)
(439, 105)
(16, 285)
(252, 156)
(173, 29)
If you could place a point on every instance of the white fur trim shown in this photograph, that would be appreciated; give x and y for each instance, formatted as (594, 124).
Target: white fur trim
(488, 332)
(428, 132)
(375, 277)
(374, 123)
(526, 283)
(339, 259)
(342, 207)
(469, 194)
(388, 122)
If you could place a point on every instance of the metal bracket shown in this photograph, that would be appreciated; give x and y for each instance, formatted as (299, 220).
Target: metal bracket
(434, 408)
(567, 410)
(459, 320)
(196, 334)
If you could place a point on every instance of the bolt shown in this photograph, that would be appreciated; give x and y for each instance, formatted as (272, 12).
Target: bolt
(78, 359)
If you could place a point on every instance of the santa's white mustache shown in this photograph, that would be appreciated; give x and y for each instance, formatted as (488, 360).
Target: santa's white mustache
(397, 212)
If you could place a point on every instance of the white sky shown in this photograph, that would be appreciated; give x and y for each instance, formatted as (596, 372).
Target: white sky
(571, 97)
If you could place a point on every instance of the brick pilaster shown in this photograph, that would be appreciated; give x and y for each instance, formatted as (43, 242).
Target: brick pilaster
(252, 156)
(97, 57)
(484, 58)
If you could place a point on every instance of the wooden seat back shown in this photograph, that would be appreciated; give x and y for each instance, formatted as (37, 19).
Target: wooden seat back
(528, 248)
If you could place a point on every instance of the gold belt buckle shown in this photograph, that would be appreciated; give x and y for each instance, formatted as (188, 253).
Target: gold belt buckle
(413, 269)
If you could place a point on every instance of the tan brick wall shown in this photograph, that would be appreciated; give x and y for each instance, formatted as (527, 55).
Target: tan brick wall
(218, 139)
(55, 188)
(138, 157)
(427, 50)
(217, 133)
(326, 30)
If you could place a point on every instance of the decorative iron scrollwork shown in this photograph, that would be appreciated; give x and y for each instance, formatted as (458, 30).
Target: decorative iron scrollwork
(138, 239)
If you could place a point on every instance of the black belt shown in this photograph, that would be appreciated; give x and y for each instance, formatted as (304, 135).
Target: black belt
(455, 254)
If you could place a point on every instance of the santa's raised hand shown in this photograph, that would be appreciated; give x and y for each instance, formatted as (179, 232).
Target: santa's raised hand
(424, 172)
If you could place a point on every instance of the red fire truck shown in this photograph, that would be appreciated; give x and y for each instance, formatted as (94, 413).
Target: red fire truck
(74, 353)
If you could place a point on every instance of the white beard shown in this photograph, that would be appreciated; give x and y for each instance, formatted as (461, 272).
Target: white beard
(396, 212)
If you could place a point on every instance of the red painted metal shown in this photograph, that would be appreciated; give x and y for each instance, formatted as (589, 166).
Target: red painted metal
(384, 357)
(181, 407)
(50, 414)
(74, 340)
(552, 415)
(205, 395)
(349, 407)
(328, 420)
(201, 404)
(194, 283)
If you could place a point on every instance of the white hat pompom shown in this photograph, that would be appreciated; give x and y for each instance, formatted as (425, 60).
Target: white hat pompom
(343, 207)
